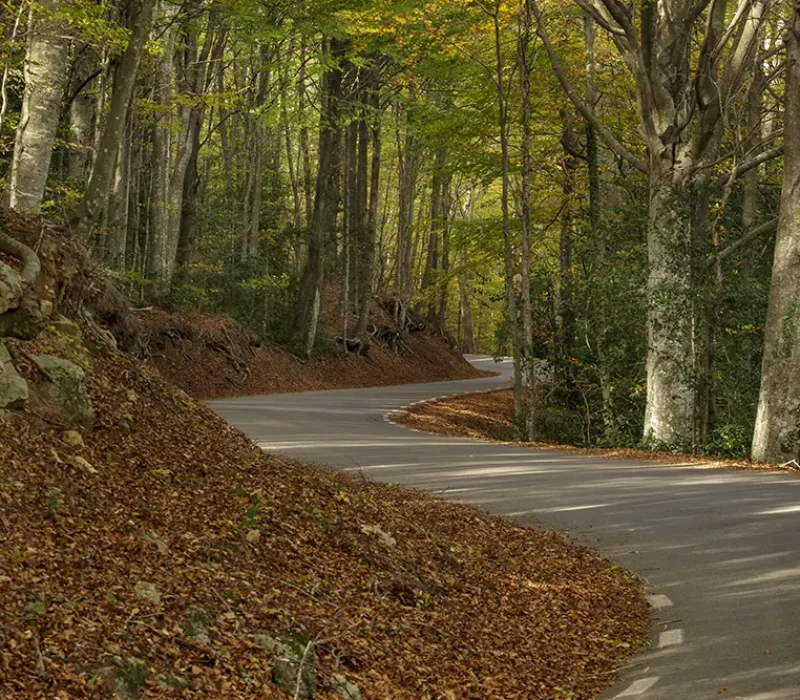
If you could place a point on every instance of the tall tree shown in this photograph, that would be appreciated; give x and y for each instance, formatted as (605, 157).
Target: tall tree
(681, 97)
(45, 73)
(777, 431)
(326, 201)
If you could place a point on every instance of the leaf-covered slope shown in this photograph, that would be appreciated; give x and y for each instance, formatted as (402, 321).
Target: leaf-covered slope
(150, 551)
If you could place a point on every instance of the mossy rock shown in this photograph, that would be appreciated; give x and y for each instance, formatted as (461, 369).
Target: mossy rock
(13, 388)
(63, 396)
(126, 678)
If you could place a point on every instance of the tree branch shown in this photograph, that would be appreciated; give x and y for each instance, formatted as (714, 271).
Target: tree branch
(586, 112)
(763, 157)
(750, 236)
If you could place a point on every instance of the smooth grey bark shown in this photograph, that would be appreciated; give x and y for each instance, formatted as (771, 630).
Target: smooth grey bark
(81, 113)
(45, 72)
(159, 268)
(681, 97)
(118, 209)
(776, 437)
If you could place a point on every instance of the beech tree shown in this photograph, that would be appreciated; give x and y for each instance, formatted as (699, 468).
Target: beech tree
(45, 74)
(682, 93)
(777, 429)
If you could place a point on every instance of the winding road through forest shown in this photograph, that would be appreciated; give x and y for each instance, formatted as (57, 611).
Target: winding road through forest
(720, 549)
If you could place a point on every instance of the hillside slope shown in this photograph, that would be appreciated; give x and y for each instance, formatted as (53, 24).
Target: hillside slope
(212, 356)
(148, 549)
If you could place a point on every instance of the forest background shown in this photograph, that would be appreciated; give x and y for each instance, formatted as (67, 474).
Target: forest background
(597, 184)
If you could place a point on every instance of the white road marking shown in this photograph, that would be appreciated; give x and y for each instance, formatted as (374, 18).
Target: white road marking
(659, 601)
(670, 638)
(638, 687)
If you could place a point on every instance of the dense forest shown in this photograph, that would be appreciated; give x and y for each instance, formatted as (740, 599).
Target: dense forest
(608, 186)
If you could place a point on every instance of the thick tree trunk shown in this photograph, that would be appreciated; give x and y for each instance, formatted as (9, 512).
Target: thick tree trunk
(777, 431)
(118, 209)
(45, 73)
(81, 113)
(669, 417)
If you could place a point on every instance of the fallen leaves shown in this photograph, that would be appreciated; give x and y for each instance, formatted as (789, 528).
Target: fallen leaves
(164, 564)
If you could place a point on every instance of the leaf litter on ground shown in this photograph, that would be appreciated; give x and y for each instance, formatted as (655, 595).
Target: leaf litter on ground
(184, 544)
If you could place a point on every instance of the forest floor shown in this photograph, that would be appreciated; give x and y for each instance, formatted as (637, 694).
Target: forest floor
(159, 551)
(211, 356)
(488, 416)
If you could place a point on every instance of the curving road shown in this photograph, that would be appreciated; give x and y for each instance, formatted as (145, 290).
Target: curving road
(720, 549)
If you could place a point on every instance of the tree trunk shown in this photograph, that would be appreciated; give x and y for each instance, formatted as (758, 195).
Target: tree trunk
(81, 114)
(366, 266)
(525, 228)
(117, 233)
(670, 382)
(326, 201)
(45, 73)
(159, 267)
(84, 217)
(777, 431)
(409, 161)
(305, 156)
(468, 344)
(508, 252)
(752, 125)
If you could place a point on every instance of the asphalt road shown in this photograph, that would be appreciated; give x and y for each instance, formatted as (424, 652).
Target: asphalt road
(720, 549)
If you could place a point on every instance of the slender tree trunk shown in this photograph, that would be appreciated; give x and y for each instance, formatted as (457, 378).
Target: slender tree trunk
(468, 344)
(525, 228)
(444, 259)
(777, 431)
(366, 267)
(508, 251)
(430, 280)
(84, 217)
(326, 201)
(45, 73)
(163, 96)
(287, 135)
(753, 127)
(305, 156)
(405, 219)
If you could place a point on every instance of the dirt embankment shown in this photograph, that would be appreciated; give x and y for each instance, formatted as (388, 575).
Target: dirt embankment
(211, 356)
